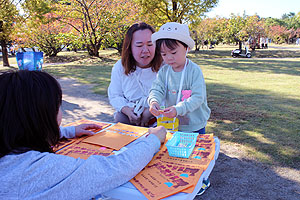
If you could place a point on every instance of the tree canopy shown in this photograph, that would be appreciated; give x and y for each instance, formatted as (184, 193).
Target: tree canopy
(96, 21)
(94, 24)
(8, 18)
(182, 11)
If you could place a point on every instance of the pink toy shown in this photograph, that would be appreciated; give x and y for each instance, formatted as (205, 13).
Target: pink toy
(185, 94)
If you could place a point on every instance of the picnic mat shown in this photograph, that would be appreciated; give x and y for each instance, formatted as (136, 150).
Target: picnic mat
(165, 175)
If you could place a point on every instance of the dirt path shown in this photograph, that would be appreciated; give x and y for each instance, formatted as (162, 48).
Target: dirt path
(80, 102)
(235, 175)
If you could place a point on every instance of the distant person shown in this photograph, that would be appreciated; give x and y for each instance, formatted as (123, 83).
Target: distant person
(180, 85)
(12, 50)
(30, 115)
(267, 43)
(132, 76)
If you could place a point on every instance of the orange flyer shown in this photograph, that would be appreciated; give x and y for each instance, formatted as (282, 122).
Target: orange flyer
(159, 180)
(117, 136)
(84, 150)
(166, 175)
(62, 143)
(67, 141)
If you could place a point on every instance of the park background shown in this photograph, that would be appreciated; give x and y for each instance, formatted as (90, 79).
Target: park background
(255, 102)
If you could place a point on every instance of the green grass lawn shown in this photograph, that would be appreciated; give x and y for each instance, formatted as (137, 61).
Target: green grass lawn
(89, 70)
(274, 51)
(254, 102)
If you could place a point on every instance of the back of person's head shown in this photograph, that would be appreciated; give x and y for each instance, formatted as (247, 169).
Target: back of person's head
(171, 33)
(128, 60)
(29, 104)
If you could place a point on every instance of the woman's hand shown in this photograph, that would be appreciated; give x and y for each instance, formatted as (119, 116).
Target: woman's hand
(160, 132)
(154, 109)
(86, 129)
(146, 116)
(133, 118)
(170, 112)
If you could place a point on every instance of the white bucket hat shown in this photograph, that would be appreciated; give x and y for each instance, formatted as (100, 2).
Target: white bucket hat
(174, 30)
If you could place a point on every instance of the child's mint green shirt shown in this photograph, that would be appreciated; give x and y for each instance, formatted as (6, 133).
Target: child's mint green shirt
(193, 112)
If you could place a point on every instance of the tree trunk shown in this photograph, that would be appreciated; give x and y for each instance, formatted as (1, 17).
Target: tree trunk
(240, 45)
(4, 54)
(96, 52)
(93, 50)
(196, 44)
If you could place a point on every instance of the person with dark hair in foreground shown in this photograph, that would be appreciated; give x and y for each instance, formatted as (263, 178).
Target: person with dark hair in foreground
(30, 116)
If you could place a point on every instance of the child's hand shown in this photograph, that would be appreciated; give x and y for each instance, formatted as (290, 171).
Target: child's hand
(86, 129)
(170, 112)
(154, 109)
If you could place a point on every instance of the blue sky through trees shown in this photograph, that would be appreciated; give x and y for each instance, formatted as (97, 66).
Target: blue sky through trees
(264, 8)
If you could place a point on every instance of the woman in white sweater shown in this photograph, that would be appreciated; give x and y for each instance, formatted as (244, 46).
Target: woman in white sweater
(132, 76)
(29, 127)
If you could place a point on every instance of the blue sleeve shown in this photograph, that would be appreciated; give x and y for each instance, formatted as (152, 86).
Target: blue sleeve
(67, 132)
(51, 176)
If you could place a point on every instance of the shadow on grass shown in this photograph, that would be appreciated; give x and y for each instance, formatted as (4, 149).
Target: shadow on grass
(290, 67)
(210, 53)
(267, 123)
(88, 74)
(265, 53)
(259, 53)
(81, 57)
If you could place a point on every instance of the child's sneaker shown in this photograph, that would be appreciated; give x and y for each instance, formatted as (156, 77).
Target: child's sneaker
(205, 185)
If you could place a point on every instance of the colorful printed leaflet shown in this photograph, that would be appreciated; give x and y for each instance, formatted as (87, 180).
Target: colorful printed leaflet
(159, 179)
(84, 150)
(117, 136)
(166, 175)
(65, 142)
(204, 148)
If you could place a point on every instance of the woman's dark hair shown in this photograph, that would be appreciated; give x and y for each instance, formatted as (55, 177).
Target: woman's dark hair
(29, 104)
(128, 60)
(170, 44)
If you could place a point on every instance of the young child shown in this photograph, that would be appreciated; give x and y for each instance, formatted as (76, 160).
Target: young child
(30, 116)
(179, 85)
